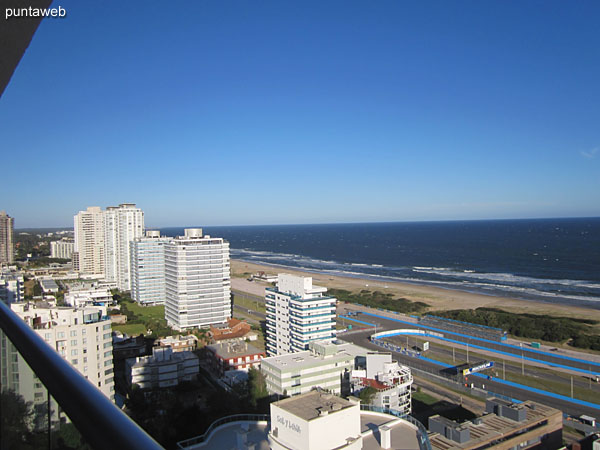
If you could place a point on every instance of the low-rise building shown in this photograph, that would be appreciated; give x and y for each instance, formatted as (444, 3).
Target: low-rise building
(234, 329)
(128, 347)
(505, 426)
(391, 381)
(163, 369)
(12, 286)
(234, 355)
(49, 286)
(88, 295)
(326, 365)
(62, 249)
(178, 343)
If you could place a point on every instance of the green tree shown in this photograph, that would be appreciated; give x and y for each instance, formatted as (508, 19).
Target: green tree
(15, 421)
(367, 394)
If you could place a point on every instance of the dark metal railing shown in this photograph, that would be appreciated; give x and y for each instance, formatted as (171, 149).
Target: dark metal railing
(98, 420)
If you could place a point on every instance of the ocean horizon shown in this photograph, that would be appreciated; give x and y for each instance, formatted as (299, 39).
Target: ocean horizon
(549, 260)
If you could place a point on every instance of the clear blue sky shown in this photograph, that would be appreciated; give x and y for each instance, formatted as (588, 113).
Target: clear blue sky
(223, 112)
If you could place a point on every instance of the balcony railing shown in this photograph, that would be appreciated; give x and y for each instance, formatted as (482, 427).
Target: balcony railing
(98, 420)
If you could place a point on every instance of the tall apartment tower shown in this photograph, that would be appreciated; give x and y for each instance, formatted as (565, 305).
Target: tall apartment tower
(82, 336)
(297, 313)
(122, 225)
(197, 276)
(88, 254)
(7, 252)
(148, 268)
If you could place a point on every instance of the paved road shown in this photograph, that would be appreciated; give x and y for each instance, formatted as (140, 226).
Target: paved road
(440, 352)
(389, 324)
(362, 339)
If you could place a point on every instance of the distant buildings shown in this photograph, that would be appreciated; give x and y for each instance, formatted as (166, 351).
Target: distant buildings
(164, 368)
(102, 240)
(62, 249)
(326, 365)
(148, 268)
(297, 313)
(7, 251)
(82, 336)
(197, 278)
(122, 225)
(88, 255)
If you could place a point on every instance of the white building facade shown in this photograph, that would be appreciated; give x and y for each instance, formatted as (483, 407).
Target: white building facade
(164, 368)
(88, 251)
(122, 225)
(297, 313)
(148, 269)
(12, 286)
(197, 281)
(82, 336)
(62, 249)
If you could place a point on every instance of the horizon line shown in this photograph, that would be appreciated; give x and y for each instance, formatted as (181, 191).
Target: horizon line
(337, 223)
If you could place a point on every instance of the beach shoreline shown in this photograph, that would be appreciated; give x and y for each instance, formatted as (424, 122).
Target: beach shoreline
(437, 297)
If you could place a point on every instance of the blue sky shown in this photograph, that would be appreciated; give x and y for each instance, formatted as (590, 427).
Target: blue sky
(226, 113)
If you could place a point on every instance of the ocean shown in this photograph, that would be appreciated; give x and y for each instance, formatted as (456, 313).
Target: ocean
(551, 260)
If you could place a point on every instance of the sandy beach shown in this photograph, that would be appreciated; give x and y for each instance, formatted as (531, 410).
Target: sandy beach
(438, 298)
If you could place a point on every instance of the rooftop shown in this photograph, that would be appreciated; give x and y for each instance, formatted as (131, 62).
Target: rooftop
(234, 349)
(313, 404)
(308, 358)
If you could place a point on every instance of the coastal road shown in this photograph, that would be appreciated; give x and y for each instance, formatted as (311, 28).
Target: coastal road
(362, 339)
(384, 323)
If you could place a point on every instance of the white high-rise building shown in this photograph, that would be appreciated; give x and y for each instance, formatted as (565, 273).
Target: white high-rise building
(88, 256)
(197, 275)
(148, 268)
(81, 335)
(62, 249)
(12, 286)
(122, 225)
(7, 255)
(297, 313)
(102, 242)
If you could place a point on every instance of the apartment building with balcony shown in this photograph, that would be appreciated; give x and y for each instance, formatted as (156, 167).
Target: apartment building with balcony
(148, 268)
(391, 381)
(165, 368)
(62, 249)
(297, 314)
(197, 281)
(7, 250)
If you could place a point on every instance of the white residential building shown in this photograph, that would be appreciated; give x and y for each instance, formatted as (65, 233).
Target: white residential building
(88, 252)
(197, 278)
(87, 296)
(62, 249)
(164, 368)
(392, 382)
(12, 286)
(148, 268)
(81, 335)
(122, 225)
(7, 251)
(297, 313)
(326, 365)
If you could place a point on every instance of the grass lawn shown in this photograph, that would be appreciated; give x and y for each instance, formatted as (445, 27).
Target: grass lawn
(424, 398)
(146, 312)
(248, 303)
(132, 329)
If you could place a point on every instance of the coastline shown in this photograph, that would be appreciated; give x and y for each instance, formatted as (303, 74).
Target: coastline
(438, 298)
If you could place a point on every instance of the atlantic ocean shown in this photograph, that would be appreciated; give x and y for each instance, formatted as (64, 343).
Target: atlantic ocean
(552, 260)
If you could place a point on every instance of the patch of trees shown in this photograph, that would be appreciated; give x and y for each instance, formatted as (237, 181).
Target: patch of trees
(379, 299)
(577, 332)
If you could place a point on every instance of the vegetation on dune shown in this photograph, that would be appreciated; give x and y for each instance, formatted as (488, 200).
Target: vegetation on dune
(378, 300)
(577, 332)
